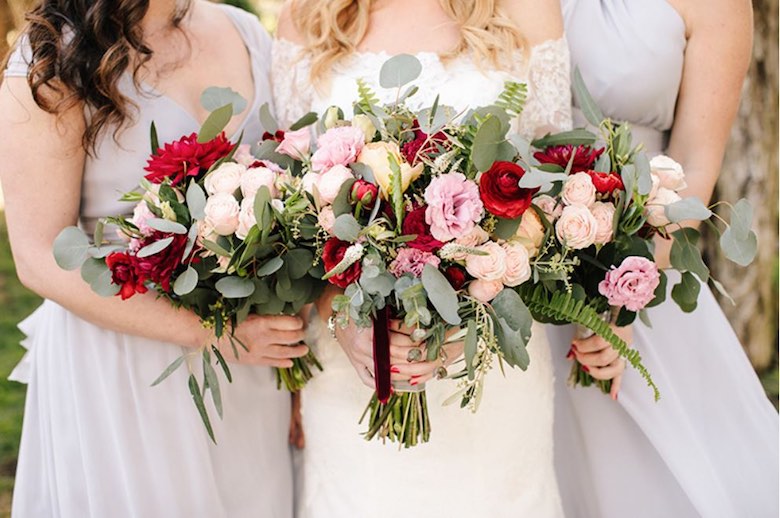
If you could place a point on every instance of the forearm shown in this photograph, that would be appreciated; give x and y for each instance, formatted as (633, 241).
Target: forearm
(324, 304)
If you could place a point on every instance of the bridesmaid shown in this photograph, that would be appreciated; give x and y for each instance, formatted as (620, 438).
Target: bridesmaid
(674, 70)
(80, 91)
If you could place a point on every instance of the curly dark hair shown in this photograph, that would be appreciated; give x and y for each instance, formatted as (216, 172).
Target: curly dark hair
(81, 49)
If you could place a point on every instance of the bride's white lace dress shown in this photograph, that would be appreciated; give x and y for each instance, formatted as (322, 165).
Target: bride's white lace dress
(497, 462)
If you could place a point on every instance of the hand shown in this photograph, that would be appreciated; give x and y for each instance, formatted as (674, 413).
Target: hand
(600, 360)
(296, 436)
(358, 344)
(271, 340)
(416, 372)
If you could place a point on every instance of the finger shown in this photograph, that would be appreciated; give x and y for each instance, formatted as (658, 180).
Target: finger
(398, 326)
(415, 369)
(589, 345)
(365, 377)
(271, 362)
(601, 358)
(419, 380)
(401, 340)
(616, 382)
(609, 372)
(401, 354)
(284, 323)
(284, 337)
(280, 352)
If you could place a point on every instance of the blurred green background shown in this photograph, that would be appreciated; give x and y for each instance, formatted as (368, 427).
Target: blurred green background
(17, 302)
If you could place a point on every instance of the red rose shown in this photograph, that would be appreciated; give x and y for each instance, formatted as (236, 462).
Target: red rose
(456, 275)
(125, 274)
(160, 267)
(364, 192)
(186, 157)
(414, 224)
(501, 193)
(413, 149)
(606, 183)
(276, 136)
(584, 156)
(332, 254)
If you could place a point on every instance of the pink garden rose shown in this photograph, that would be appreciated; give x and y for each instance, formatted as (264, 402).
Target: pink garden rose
(413, 261)
(296, 144)
(604, 212)
(326, 219)
(222, 213)
(551, 208)
(518, 265)
(485, 291)
(225, 178)
(632, 284)
(329, 183)
(142, 214)
(338, 146)
(576, 228)
(257, 177)
(246, 218)
(578, 190)
(489, 267)
(656, 206)
(454, 206)
(670, 174)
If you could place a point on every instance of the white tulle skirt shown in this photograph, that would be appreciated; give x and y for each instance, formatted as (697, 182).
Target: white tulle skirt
(98, 441)
(708, 448)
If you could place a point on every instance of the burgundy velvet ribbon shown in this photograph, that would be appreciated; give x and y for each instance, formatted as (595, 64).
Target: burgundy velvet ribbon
(382, 355)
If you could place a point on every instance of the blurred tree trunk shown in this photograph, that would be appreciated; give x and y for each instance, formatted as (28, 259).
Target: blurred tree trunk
(6, 24)
(750, 170)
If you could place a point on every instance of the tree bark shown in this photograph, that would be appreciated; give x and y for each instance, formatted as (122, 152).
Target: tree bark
(750, 170)
(6, 24)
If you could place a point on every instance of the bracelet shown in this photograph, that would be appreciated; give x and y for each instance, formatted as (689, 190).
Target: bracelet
(332, 326)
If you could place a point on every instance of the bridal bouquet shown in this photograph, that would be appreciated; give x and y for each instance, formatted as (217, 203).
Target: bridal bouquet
(210, 232)
(604, 204)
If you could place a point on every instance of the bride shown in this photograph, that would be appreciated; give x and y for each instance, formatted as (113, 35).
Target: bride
(499, 461)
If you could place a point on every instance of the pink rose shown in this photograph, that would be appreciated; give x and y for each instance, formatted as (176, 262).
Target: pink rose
(576, 228)
(296, 144)
(308, 181)
(518, 265)
(222, 213)
(454, 206)
(329, 183)
(326, 219)
(413, 261)
(225, 178)
(142, 214)
(632, 284)
(338, 146)
(550, 206)
(531, 231)
(246, 218)
(604, 212)
(489, 267)
(205, 233)
(670, 174)
(656, 206)
(473, 239)
(578, 189)
(485, 291)
(257, 177)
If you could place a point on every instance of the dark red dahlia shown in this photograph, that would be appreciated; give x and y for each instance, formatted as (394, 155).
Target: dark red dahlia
(125, 274)
(584, 156)
(414, 224)
(160, 267)
(186, 157)
(412, 150)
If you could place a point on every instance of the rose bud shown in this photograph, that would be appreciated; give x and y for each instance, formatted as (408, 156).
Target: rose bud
(365, 193)
(456, 275)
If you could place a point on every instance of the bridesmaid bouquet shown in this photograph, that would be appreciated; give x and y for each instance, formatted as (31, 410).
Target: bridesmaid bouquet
(605, 204)
(211, 231)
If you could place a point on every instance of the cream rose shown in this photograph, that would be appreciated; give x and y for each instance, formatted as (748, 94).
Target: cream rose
(531, 232)
(670, 174)
(518, 265)
(363, 122)
(578, 190)
(222, 213)
(576, 228)
(472, 240)
(225, 178)
(308, 181)
(604, 212)
(246, 218)
(257, 177)
(489, 267)
(329, 183)
(656, 213)
(376, 156)
(485, 291)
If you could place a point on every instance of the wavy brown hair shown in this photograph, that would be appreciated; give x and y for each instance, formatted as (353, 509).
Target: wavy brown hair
(80, 50)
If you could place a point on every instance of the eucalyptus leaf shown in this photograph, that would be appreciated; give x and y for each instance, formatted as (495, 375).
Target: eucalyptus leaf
(267, 120)
(307, 120)
(98, 234)
(604, 164)
(628, 175)
(687, 209)
(722, 290)
(536, 178)
(645, 318)
(341, 204)
(192, 237)
(104, 285)
(644, 180)
(270, 267)
(522, 145)
(197, 398)
(215, 97)
(186, 282)
(399, 70)
(170, 369)
(739, 251)
(514, 329)
(470, 347)
(686, 293)
(235, 287)
(576, 137)
(741, 219)
(156, 247)
(164, 225)
(91, 269)
(484, 151)
(210, 376)
(299, 261)
(686, 256)
(100, 252)
(506, 228)
(215, 123)
(346, 228)
(363, 171)
(71, 248)
(212, 246)
(381, 284)
(262, 205)
(590, 109)
(441, 294)
(196, 200)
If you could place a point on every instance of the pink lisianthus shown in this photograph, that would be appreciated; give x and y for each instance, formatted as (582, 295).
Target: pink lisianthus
(413, 261)
(632, 284)
(296, 144)
(338, 146)
(454, 206)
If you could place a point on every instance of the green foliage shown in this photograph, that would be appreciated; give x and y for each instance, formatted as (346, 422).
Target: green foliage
(513, 97)
(367, 99)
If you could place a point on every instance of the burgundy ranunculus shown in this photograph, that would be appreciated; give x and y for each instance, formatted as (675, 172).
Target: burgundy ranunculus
(584, 156)
(160, 267)
(456, 275)
(412, 149)
(332, 254)
(276, 136)
(414, 224)
(364, 192)
(606, 183)
(124, 273)
(501, 193)
(186, 157)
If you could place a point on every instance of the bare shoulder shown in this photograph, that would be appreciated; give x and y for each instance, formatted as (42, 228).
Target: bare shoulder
(286, 28)
(538, 20)
(716, 15)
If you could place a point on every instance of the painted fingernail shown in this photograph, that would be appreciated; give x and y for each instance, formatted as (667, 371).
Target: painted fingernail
(585, 368)
(395, 370)
(574, 346)
(570, 354)
(614, 397)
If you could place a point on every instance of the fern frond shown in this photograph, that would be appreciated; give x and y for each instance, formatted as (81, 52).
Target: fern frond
(562, 306)
(367, 99)
(513, 97)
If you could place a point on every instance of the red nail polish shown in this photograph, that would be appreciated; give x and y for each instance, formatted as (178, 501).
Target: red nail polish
(570, 354)
(395, 370)
(585, 368)
(413, 382)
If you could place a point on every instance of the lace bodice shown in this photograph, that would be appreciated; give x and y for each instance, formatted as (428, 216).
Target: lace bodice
(461, 83)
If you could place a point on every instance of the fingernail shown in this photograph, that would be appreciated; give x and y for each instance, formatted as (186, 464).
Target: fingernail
(614, 397)
(413, 383)
(574, 346)
(570, 354)
(585, 368)
(395, 370)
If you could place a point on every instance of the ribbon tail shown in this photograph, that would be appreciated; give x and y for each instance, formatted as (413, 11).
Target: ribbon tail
(382, 355)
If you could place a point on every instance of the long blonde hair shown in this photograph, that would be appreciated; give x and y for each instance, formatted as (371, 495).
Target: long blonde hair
(332, 29)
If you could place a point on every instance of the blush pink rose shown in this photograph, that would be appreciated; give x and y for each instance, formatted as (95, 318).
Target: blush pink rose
(326, 219)
(485, 291)
(578, 190)
(222, 213)
(550, 206)
(329, 183)
(412, 261)
(518, 264)
(488, 267)
(632, 284)
(473, 239)
(338, 146)
(142, 214)
(656, 206)
(604, 212)
(296, 144)
(454, 206)
(531, 231)
(257, 177)
(670, 174)
(225, 178)
(576, 228)
(246, 218)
